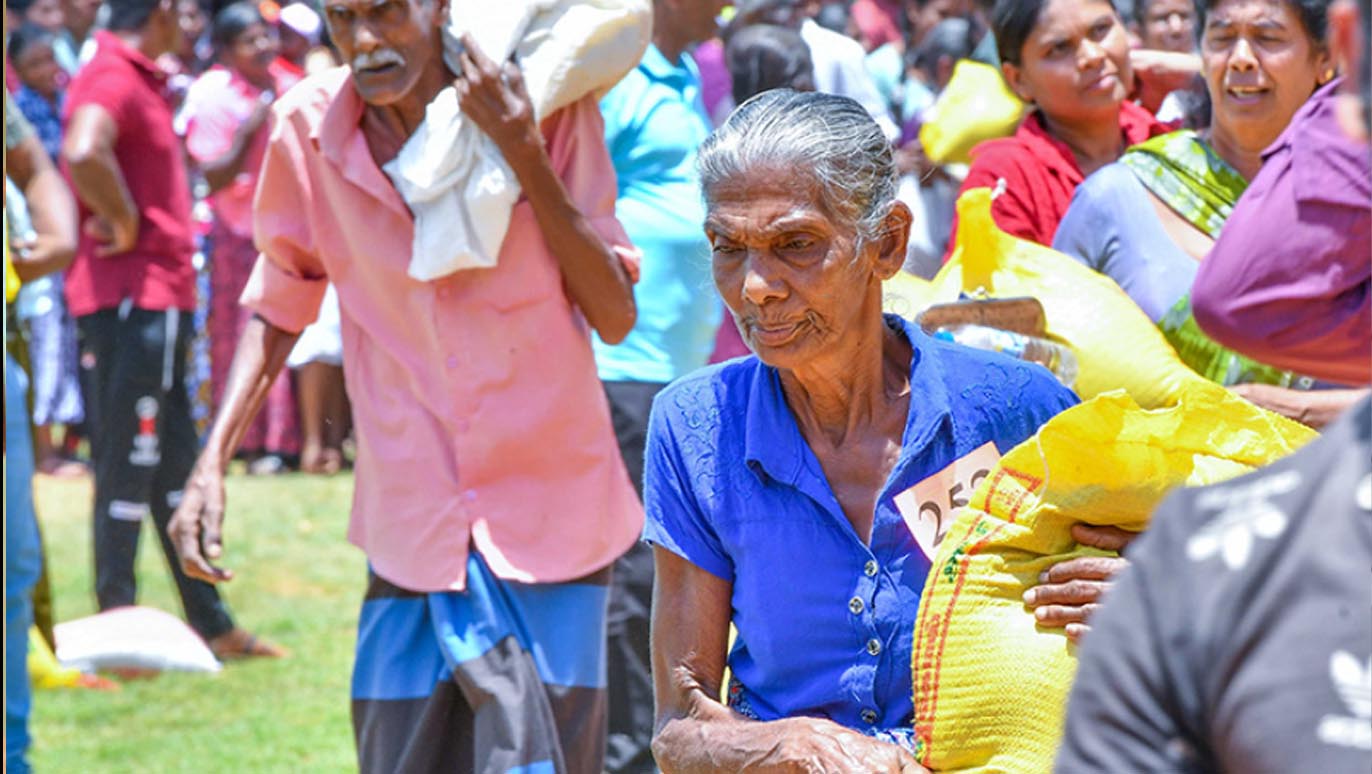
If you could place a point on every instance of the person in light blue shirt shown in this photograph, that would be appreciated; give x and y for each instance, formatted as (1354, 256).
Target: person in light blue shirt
(654, 123)
(785, 492)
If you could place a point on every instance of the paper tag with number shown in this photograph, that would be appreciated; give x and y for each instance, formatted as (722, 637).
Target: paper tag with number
(928, 506)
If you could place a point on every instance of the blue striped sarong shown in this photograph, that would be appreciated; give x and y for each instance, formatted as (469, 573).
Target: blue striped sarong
(501, 678)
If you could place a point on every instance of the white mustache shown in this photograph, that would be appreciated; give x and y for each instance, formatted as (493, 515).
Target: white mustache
(378, 58)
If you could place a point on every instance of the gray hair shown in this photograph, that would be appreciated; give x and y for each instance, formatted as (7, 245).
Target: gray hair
(831, 139)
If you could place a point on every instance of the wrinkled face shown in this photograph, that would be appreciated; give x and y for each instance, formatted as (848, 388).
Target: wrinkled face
(388, 43)
(1075, 62)
(924, 15)
(253, 51)
(47, 14)
(793, 279)
(1260, 66)
(37, 68)
(1169, 25)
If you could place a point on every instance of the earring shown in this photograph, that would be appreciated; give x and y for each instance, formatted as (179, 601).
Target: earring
(1327, 76)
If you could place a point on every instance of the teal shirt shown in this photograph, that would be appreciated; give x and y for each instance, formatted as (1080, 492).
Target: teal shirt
(654, 124)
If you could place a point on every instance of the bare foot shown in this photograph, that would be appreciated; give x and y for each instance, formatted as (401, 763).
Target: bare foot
(96, 683)
(239, 643)
(321, 461)
(134, 673)
(332, 461)
(59, 467)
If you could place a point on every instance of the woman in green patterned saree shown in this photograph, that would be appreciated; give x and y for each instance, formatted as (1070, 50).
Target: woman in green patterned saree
(1148, 220)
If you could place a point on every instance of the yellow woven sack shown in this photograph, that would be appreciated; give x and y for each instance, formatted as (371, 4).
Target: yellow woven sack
(990, 685)
(1116, 345)
(975, 106)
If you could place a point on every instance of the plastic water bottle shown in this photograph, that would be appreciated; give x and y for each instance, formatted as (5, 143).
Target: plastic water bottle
(1055, 357)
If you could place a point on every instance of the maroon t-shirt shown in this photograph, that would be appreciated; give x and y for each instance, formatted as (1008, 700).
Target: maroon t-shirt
(157, 273)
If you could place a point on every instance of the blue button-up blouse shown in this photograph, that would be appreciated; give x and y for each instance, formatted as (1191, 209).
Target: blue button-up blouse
(825, 622)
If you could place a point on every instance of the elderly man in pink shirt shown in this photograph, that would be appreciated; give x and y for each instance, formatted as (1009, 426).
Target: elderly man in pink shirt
(490, 495)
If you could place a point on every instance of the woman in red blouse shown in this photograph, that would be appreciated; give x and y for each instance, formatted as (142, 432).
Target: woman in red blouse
(1070, 60)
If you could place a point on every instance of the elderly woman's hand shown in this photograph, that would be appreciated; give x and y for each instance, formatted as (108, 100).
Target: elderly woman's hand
(1071, 590)
(814, 745)
(787, 746)
(696, 733)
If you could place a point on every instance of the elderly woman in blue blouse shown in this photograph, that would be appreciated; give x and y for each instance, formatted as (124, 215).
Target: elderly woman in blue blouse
(786, 492)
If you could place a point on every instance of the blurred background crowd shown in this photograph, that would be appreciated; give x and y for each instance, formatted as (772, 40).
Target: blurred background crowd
(1064, 178)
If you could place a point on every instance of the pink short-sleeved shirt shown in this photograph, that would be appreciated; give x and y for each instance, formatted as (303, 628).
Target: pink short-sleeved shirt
(479, 418)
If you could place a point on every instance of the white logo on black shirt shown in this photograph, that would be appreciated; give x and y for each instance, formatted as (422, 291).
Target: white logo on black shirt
(1244, 516)
(1353, 682)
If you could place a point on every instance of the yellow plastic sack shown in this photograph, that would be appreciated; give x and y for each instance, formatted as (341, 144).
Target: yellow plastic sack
(12, 282)
(1116, 345)
(990, 685)
(975, 106)
(44, 670)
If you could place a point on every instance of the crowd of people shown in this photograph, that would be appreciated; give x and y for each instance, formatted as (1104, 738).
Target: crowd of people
(588, 548)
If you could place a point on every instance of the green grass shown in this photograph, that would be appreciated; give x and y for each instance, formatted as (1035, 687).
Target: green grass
(298, 582)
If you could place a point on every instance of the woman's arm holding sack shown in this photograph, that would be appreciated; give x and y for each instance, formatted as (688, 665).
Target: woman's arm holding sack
(695, 732)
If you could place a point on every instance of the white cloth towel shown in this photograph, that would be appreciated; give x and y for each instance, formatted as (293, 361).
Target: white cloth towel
(449, 172)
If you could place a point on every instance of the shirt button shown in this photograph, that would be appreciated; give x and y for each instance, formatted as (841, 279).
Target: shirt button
(870, 569)
(855, 605)
(873, 647)
(869, 716)
(452, 361)
(469, 495)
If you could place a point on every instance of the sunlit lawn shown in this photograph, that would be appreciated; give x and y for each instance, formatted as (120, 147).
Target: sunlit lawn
(298, 582)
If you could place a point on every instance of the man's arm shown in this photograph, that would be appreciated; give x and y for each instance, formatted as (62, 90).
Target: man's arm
(494, 97)
(285, 290)
(51, 205)
(88, 150)
(196, 528)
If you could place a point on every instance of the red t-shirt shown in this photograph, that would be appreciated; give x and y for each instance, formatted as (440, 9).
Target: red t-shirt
(1040, 174)
(157, 273)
